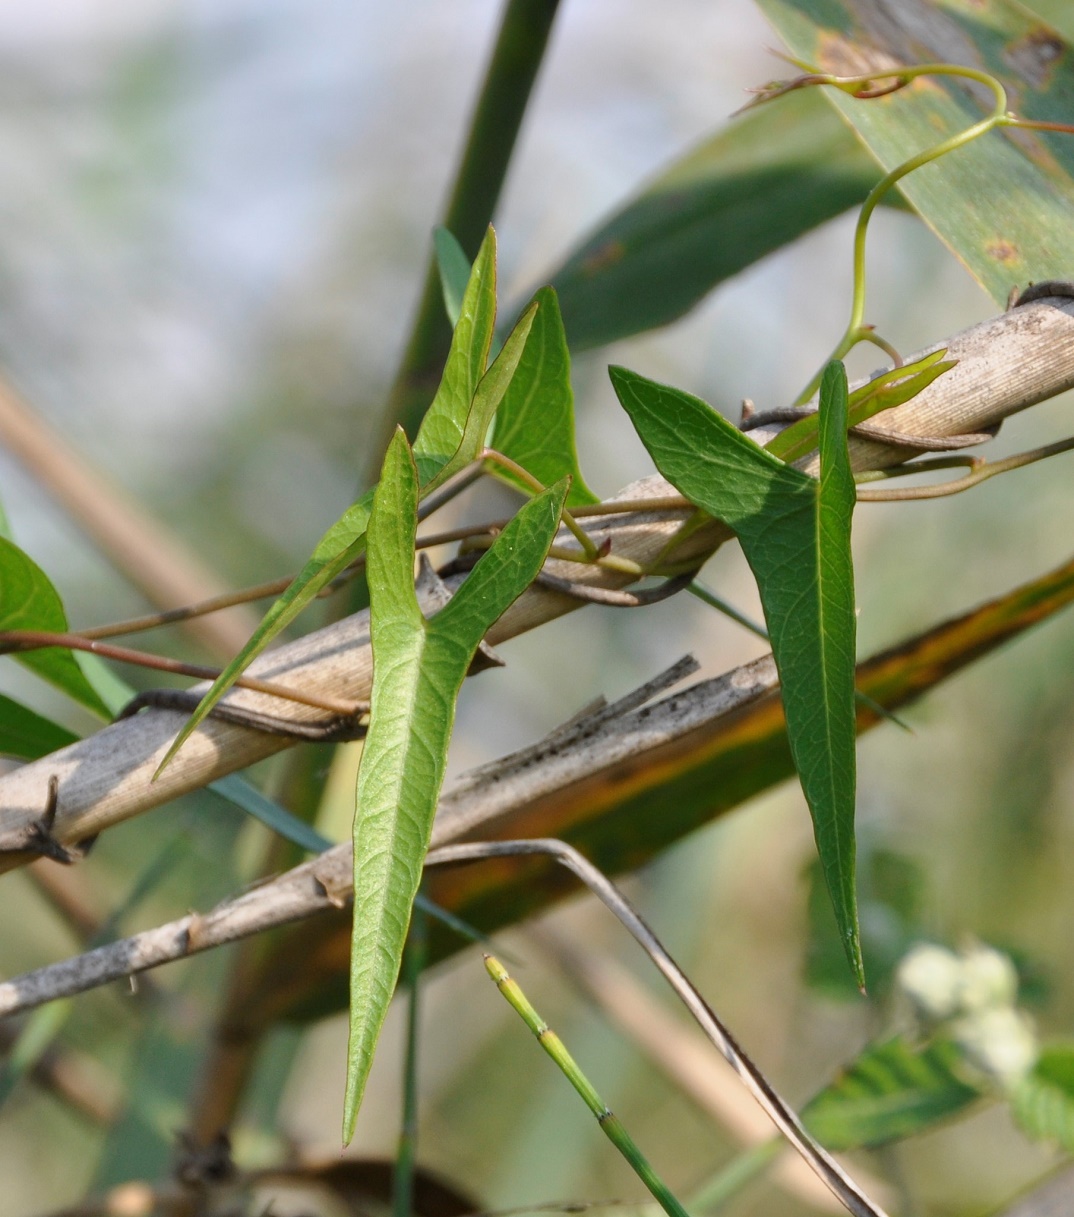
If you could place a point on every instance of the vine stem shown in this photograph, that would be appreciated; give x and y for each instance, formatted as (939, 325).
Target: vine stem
(589, 548)
(856, 330)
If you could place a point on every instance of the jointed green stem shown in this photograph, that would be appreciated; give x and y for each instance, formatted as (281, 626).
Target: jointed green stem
(609, 1123)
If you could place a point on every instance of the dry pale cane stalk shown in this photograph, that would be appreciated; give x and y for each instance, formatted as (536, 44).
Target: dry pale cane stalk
(1005, 365)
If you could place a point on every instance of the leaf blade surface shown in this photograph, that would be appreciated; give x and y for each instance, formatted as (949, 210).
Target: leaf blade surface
(795, 534)
(418, 669)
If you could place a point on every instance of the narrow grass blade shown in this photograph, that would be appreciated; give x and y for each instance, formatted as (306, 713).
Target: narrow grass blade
(418, 669)
(247, 798)
(795, 534)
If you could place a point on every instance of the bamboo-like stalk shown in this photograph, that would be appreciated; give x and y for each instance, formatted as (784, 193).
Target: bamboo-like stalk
(498, 113)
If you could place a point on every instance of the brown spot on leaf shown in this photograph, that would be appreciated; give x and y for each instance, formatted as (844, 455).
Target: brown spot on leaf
(1003, 251)
(1034, 56)
(604, 255)
(842, 57)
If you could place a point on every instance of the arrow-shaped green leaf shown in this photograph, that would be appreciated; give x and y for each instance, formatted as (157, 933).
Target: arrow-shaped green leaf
(535, 424)
(418, 669)
(450, 437)
(795, 533)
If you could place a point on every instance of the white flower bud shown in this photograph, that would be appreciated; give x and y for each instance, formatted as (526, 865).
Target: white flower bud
(931, 977)
(999, 1041)
(989, 978)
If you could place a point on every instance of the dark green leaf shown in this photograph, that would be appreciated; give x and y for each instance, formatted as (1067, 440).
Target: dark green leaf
(418, 669)
(891, 1091)
(1004, 206)
(758, 184)
(535, 423)
(454, 267)
(1043, 1102)
(890, 898)
(795, 533)
(25, 734)
(28, 601)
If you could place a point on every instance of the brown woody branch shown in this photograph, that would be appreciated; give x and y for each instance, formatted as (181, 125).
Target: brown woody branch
(1004, 365)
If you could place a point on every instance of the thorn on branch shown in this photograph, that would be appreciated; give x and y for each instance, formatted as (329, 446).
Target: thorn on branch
(37, 837)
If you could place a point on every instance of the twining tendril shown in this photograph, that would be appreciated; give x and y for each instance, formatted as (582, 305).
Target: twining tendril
(878, 84)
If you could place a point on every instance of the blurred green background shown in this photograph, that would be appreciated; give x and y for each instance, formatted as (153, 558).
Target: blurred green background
(215, 220)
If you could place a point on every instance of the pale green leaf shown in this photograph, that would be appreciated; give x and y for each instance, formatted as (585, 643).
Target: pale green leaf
(444, 423)
(418, 669)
